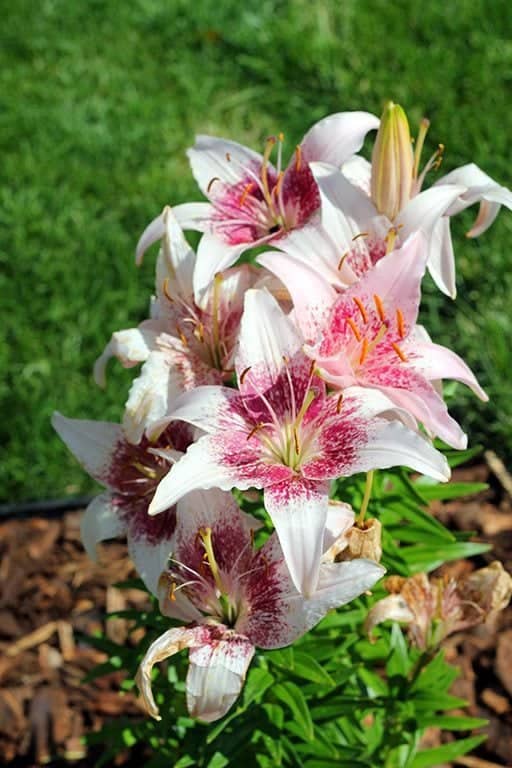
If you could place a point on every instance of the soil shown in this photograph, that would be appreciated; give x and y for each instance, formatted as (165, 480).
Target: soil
(52, 596)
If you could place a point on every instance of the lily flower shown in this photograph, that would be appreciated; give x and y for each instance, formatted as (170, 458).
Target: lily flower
(368, 337)
(393, 183)
(282, 432)
(183, 344)
(130, 474)
(253, 202)
(233, 599)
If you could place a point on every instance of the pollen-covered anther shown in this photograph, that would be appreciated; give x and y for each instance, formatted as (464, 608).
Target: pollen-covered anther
(339, 404)
(379, 306)
(182, 336)
(364, 351)
(399, 352)
(342, 260)
(400, 323)
(360, 234)
(312, 369)
(244, 373)
(361, 309)
(247, 190)
(254, 430)
(439, 158)
(353, 327)
(172, 590)
(165, 288)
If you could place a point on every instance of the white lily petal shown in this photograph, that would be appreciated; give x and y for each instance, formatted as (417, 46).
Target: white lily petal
(359, 172)
(340, 518)
(215, 677)
(93, 443)
(437, 362)
(176, 260)
(207, 407)
(152, 234)
(197, 469)
(131, 346)
(480, 188)
(311, 294)
(213, 256)
(196, 216)
(395, 445)
(266, 337)
(424, 210)
(298, 510)
(213, 158)
(208, 509)
(337, 137)
(100, 521)
(441, 260)
(171, 642)
(150, 559)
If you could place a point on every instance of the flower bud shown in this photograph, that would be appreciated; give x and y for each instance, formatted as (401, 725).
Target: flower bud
(392, 162)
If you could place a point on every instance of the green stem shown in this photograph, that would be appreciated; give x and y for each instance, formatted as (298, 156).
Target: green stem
(366, 497)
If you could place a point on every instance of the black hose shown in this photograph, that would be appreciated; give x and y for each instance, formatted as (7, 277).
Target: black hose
(47, 508)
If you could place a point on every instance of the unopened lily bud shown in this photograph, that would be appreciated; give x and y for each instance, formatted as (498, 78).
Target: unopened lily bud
(365, 541)
(489, 588)
(392, 162)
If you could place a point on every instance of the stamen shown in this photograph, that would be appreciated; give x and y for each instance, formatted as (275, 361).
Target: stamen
(312, 369)
(400, 323)
(146, 471)
(248, 188)
(199, 332)
(298, 157)
(422, 132)
(379, 307)
(228, 157)
(165, 289)
(339, 403)
(342, 260)
(172, 590)
(439, 160)
(211, 183)
(279, 183)
(399, 352)
(296, 441)
(364, 351)
(206, 539)
(354, 328)
(254, 430)
(244, 373)
(361, 308)
(181, 335)
(360, 234)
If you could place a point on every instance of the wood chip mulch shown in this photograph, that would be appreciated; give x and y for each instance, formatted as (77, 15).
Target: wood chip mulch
(51, 595)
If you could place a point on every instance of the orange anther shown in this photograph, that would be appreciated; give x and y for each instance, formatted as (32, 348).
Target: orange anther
(354, 328)
(254, 430)
(181, 335)
(279, 183)
(399, 352)
(244, 194)
(364, 351)
(244, 373)
(361, 308)
(228, 157)
(379, 307)
(280, 136)
(298, 157)
(400, 323)
(312, 368)
(339, 403)
(172, 590)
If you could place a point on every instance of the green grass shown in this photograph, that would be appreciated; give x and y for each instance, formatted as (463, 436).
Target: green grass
(98, 102)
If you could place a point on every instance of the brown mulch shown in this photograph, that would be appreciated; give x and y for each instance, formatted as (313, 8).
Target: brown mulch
(51, 595)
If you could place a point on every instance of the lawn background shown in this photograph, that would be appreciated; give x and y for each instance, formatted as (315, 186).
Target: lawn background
(98, 102)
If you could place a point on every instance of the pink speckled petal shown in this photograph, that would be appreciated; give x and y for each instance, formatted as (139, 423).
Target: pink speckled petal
(93, 443)
(99, 522)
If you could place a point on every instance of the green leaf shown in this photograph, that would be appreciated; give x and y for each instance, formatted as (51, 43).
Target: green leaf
(430, 758)
(307, 667)
(453, 722)
(445, 491)
(258, 681)
(427, 558)
(291, 695)
(398, 663)
(218, 761)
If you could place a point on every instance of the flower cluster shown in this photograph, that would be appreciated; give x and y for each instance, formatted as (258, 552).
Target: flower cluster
(283, 375)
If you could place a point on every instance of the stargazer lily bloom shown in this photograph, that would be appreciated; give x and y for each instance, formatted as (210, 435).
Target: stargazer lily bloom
(393, 183)
(234, 598)
(253, 202)
(282, 432)
(183, 344)
(368, 336)
(130, 474)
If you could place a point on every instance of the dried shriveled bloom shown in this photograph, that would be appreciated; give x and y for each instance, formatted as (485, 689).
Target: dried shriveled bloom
(435, 608)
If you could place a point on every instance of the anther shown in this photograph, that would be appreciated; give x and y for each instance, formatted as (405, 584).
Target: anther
(254, 430)
(228, 157)
(361, 308)
(364, 351)
(379, 306)
(399, 352)
(298, 157)
(244, 373)
(211, 183)
(360, 234)
(296, 441)
(339, 404)
(342, 260)
(244, 194)
(312, 368)
(354, 328)
(181, 335)
(172, 590)
(165, 289)
(400, 323)
(280, 136)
